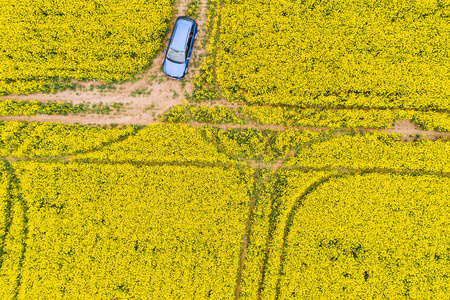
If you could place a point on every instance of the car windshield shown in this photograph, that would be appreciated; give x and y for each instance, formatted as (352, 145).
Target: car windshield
(175, 56)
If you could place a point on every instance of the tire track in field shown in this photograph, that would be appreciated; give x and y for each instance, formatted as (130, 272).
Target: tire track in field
(258, 166)
(370, 170)
(246, 234)
(106, 144)
(7, 213)
(16, 184)
(290, 220)
(200, 164)
(272, 226)
(66, 157)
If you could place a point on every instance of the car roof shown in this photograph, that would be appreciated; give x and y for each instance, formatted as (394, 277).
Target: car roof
(181, 34)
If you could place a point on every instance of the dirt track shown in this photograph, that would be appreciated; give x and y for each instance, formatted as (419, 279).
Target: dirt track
(165, 93)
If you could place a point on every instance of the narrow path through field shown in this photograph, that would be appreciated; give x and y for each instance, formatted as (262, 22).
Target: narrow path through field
(245, 235)
(7, 214)
(22, 233)
(409, 130)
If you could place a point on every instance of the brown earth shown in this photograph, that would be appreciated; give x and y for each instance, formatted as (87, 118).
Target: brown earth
(411, 131)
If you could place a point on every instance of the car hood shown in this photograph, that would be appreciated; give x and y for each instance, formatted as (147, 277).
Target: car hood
(173, 69)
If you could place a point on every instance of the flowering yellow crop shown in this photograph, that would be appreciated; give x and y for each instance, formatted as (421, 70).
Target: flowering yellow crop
(258, 237)
(215, 115)
(13, 228)
(375, 151)
(243, 143)
(161, 143)
(345, 118)
(371, 236)
(325, 235)
(289, 186)
(10, 107)
(122, 231)
(204, 82)
(353, 53)
(106, 40)
(201, 113)
(5, 187)
(287, 140)
(19, 108)
(23, 139)
(161, 212)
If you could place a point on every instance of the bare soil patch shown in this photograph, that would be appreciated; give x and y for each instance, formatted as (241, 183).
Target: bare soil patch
(412, 132)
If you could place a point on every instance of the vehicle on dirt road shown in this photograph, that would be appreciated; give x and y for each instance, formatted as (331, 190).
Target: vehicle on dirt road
(180, 47)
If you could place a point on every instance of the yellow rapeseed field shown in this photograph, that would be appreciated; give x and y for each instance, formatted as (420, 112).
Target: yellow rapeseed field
(307, 57)
(377, 236)
(162, 212)
(106, 40)
(361, 53)
(121, 231)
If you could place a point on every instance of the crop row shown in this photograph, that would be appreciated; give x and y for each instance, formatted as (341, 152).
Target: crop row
(345, 118)
(22, 139)
(374, 151)
(307, 117)
(32, 107)
(201, 113)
